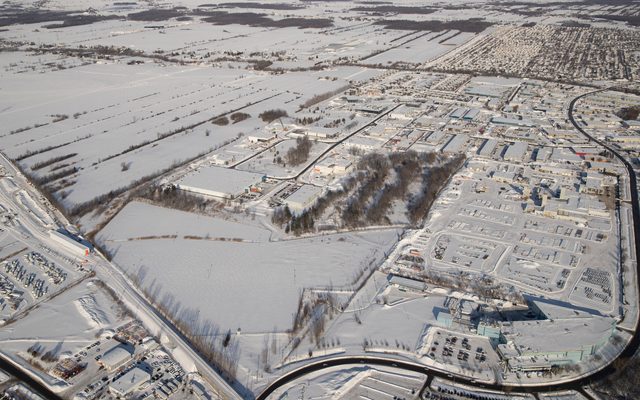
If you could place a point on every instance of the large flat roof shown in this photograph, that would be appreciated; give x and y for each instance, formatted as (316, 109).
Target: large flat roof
(130, 381)
(304, 196)
(218, 181)
(558, 335)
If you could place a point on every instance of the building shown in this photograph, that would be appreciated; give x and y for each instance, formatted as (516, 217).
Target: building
(332, 165)
(72, 242)
(219, 182)
(471, 114)
(515, 152)
(303, 198)
(314, 132)
(593, 184)
(491, 331)
(116, 357)
(262, 136)
(488, 148)
(129, 382)
(513, 122)
(458, 113)
(365, 143)
(455, 145)
(577, 208)
(405, 284)
(540, 345)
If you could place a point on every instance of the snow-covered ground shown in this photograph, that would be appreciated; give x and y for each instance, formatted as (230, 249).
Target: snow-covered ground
(253, 283)
(352, 382)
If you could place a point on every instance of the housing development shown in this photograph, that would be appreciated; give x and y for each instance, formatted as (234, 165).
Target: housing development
(319, 199)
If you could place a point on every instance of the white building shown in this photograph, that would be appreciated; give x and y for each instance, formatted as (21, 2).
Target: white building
(129, 382)
(219, 182)
(262, 136)
(303, 198)
(116, 357)
(455, 145)
(515, 152)
(333, 165)
(364, 143)
(71, 242)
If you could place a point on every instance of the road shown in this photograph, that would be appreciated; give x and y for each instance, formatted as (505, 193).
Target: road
(569, 384)
(119, 282)
(116, 279)
(633, 345)
(333, 145)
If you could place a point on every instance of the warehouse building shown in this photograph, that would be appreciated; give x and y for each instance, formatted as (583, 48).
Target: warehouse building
(220, 182)
(304, 197)
(455, 145)
(71, 242)
(515, 152)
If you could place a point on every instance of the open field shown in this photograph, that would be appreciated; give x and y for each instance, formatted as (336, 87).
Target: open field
(236, 268)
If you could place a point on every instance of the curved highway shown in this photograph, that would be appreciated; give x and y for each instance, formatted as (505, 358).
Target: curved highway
(568, 384)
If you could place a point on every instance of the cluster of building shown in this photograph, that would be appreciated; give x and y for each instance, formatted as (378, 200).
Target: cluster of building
(554, 52)
(130, 364)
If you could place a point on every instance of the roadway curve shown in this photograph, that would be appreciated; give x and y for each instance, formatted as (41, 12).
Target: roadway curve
(568, 384)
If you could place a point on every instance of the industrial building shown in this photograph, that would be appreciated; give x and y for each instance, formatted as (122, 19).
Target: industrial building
(333, 165)
(513, 122)
(406, 284)
(72, 242)
(304, 197)
(220, 182)
(455, 145)
(515, 152)
(488, 148)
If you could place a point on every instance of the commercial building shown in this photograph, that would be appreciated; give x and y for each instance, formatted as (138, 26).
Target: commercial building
(129, 382)
(541, 344)
(116, 357)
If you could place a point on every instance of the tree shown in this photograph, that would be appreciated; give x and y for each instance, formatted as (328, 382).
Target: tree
(227, 339)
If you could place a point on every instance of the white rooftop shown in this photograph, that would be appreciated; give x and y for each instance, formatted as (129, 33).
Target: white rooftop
(130, 381)
(303, 197)
(218, 181)
(115, 356)
(558, 335)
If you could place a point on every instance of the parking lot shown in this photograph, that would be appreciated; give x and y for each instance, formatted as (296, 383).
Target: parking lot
(466, 352)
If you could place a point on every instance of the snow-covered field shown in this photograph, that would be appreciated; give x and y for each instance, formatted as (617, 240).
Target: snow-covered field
(236, 277)
(113, 136)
